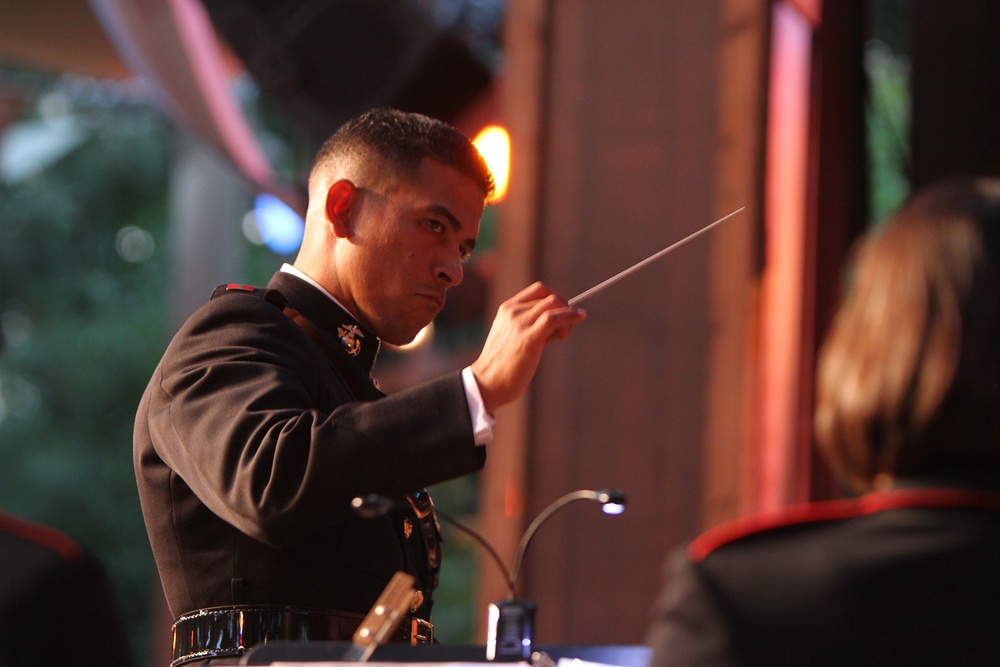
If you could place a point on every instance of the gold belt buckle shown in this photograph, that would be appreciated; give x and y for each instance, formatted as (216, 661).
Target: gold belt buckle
(421, 632)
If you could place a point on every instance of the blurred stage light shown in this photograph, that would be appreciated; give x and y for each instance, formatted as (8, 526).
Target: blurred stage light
(423, 337)
(280, 227)
(493, 143)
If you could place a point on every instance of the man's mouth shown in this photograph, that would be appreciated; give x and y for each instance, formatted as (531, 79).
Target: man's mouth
(438, 299)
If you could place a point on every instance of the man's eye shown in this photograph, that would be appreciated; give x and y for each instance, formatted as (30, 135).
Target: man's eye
(436, 226)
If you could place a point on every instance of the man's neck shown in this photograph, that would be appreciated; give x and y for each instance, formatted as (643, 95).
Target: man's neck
(299, 273)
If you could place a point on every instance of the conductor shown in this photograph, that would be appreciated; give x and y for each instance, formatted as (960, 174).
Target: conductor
(261, 422)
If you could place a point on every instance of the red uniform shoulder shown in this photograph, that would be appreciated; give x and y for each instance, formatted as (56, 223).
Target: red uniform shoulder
(834, 510)
(46, 537)
(272, 296)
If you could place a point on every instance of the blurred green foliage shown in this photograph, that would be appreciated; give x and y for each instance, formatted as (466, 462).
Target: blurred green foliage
(83, 303)
(887, 108)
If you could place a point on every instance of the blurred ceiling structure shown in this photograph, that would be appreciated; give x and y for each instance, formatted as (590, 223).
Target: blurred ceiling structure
(326, 62)
(59, 36)
(321, 61)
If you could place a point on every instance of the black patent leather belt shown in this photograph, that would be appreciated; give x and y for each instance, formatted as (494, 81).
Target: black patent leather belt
(219, 632)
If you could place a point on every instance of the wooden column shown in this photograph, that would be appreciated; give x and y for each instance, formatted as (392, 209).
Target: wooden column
(624, 141)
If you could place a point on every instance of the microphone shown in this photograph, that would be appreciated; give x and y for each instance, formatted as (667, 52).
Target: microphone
(511, 622)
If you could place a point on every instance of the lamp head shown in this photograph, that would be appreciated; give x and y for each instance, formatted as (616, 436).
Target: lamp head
(612, 500)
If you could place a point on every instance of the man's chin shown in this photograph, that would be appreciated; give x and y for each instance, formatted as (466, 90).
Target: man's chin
(408, 338)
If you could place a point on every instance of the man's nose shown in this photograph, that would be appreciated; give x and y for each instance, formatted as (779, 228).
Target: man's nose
(451, 271)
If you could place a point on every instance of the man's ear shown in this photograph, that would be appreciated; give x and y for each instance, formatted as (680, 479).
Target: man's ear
(341, 198)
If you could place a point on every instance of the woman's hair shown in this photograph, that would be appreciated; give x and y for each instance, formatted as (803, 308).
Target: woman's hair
(402, 140)
(908, 380)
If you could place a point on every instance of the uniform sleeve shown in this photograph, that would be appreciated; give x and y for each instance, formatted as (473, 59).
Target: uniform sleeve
(247, 412)
(687, 628)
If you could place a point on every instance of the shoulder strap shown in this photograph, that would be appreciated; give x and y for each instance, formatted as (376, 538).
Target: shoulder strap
(274, 297)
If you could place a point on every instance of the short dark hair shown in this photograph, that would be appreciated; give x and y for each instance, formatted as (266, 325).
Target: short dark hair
(909, 378)
(404, 139)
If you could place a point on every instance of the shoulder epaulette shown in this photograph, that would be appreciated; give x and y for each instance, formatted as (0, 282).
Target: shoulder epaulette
(273, 297)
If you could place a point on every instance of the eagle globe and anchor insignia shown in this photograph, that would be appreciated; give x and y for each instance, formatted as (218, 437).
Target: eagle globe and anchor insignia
(350, 337)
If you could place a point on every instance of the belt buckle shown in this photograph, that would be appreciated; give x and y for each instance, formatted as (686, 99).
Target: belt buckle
(421, 632)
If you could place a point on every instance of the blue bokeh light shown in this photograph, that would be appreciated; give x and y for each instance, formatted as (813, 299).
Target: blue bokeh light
(280, 227)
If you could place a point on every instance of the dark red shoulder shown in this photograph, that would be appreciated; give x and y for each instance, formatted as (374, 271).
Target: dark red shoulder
(49, 538)
(835, 510)
(754, 524)
(272, 296)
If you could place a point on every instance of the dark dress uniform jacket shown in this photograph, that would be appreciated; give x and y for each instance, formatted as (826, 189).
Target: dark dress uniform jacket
(249, 447)
(902, 577)
(57, 605)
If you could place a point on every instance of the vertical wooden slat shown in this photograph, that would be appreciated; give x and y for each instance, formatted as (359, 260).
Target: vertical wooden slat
(736, 260)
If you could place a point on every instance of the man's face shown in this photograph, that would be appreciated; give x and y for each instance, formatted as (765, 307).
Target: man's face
(407, 246)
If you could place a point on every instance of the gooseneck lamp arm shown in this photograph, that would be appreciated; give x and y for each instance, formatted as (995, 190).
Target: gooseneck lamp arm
(613, 502)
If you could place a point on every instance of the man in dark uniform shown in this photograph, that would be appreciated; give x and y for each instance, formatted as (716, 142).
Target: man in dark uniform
(261, 423)
(908, 410)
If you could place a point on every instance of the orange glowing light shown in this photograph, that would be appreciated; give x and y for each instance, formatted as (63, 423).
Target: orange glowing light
(493, 143)
(422, 338)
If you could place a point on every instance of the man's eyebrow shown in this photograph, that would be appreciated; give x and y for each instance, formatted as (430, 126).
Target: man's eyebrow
(453, 221)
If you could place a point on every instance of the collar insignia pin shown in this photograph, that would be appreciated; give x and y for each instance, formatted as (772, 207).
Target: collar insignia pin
(407, 527)
(350, 335)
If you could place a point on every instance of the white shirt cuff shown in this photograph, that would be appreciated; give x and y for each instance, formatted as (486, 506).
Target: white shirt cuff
(482, 421)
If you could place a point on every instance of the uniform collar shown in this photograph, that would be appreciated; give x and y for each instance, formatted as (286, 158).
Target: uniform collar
(325, 312)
